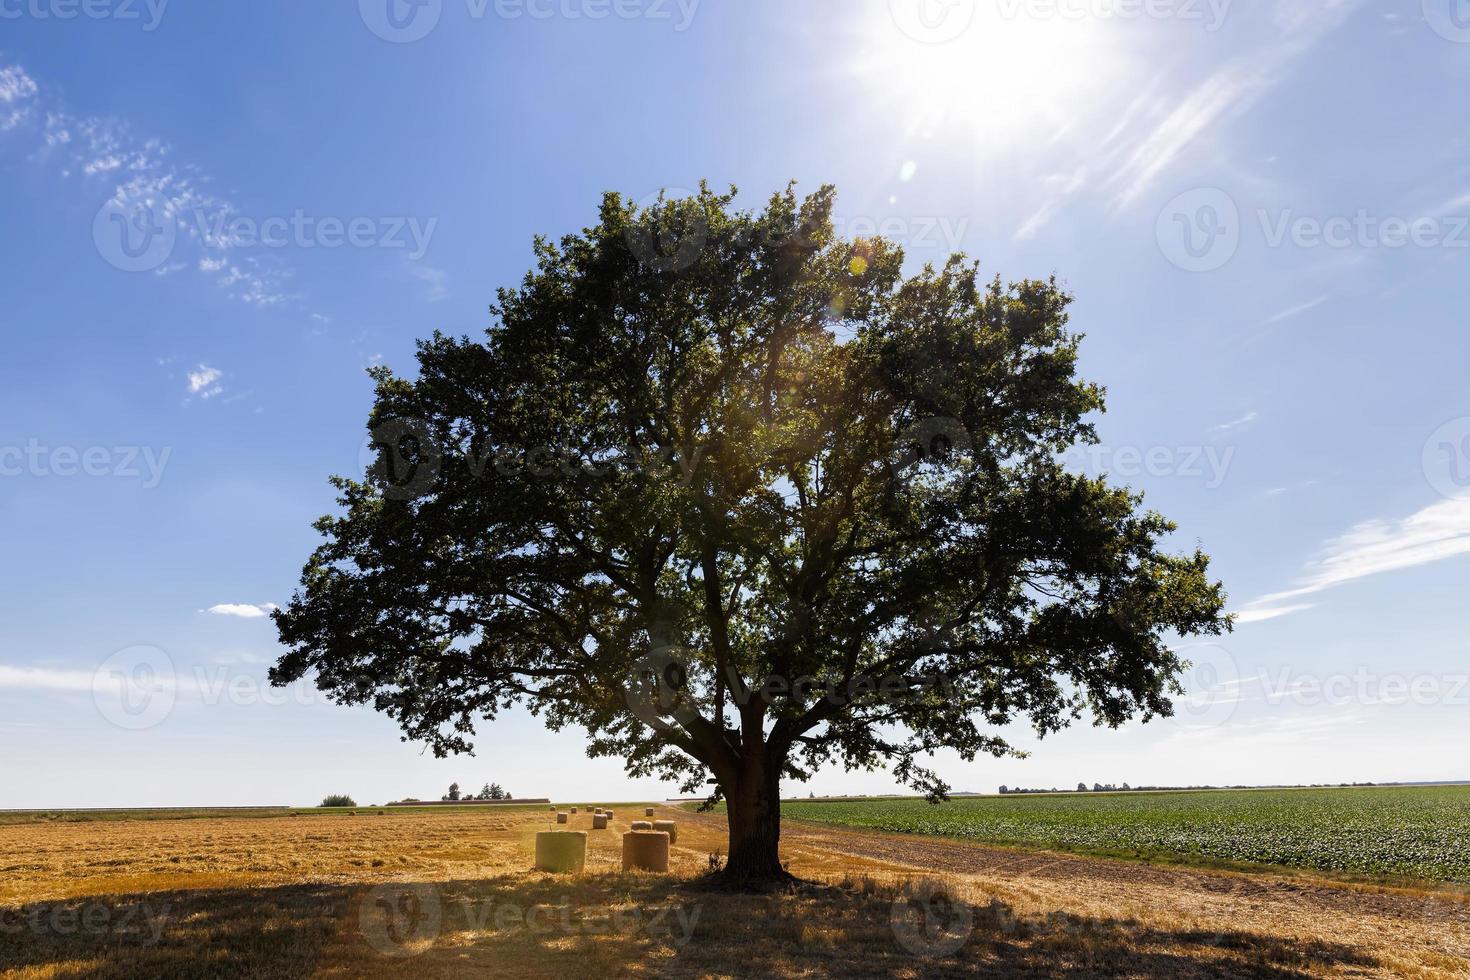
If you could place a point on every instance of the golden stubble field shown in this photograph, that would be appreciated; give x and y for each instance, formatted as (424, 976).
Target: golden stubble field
(448, 894)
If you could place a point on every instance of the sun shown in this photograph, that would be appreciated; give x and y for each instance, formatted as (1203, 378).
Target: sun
(998, 71)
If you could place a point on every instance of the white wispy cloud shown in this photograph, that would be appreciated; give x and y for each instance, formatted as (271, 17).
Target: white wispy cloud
(437, 280)
(243, 610)
(1160, 123)
(1438, 532)
(44, 678)
(1230, 91)
(1253, 615)
(143, 175)
(203, 382)
(17, 90)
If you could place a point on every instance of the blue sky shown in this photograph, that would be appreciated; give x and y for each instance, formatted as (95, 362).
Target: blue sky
(1260, 206)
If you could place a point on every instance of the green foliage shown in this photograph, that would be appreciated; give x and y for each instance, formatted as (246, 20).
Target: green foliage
(828, 493)
(338, 799)
(1413, 832)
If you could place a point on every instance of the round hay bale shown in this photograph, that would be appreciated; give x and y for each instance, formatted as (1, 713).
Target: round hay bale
(574, 809)
(641, 825)
(645, 850)
(561, 850)
(561, 818)
(648, 811)
(599, 822)
(668, 827)
(552, 808)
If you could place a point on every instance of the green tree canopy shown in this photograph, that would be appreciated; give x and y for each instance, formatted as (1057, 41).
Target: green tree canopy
(741, 498)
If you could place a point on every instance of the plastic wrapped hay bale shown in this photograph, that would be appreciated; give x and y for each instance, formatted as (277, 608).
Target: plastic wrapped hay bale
(599, 822)
(645, 850)
(668, 827)
(641, 825)
(561, 818)
(561, 850)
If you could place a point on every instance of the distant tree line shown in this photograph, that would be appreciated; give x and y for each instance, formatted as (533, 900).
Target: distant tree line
(491, 791)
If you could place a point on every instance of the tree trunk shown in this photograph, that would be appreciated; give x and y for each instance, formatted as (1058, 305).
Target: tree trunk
(754, 807)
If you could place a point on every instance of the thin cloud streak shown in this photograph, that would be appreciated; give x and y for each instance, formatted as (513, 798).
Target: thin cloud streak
(1297, 310)
(1438, 532)
(1155, 129)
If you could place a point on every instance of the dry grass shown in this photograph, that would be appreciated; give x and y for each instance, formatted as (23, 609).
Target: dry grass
(448, 894)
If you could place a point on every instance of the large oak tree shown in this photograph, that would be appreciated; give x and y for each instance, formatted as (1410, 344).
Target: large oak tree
(740, 498)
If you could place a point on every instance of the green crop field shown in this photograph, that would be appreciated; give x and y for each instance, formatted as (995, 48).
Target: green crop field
(1382, 833)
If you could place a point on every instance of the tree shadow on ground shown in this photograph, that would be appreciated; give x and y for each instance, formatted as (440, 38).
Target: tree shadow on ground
(536, 925)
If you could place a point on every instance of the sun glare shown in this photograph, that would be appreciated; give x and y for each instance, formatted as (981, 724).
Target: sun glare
(1004, 77)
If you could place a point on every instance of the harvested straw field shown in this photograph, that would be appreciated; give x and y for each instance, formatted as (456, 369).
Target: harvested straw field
(440, 893)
